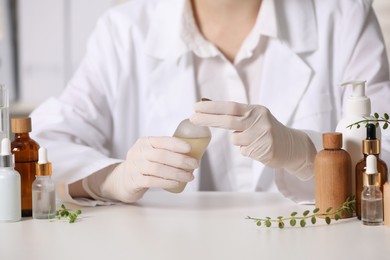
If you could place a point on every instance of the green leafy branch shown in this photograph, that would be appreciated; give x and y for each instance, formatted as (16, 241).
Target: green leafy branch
(348, 208)
(63, 212)
(376, 120)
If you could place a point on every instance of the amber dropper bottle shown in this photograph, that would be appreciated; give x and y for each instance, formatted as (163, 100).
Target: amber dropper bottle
(25, 150)
(370, 146)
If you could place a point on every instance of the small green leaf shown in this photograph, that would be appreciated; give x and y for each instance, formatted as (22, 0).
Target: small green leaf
(376, 115)
(376, 124)
(294, 214)
(302, 223)
(316, 210)
(336, 217)
(386, 116)
(329, 210)
(313, 220)
(268, 223)
(258, 223)
(385, 125)
(327, 220)
(357, 126)
(281, 224)
(293, 222)
(306, 212)
(280, 217)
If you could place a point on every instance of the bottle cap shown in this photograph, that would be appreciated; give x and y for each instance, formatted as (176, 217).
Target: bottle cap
(332, 140)
(7, 159)
(43, 167)
(371, 145)
(21, 125)
(371, 175)
(358, 103)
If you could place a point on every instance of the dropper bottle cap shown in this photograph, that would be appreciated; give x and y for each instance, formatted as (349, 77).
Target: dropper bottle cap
(43, 167)
(7, 159)
(371, 145)
(371, 176)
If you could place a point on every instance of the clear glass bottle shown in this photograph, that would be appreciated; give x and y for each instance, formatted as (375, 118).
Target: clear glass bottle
(4, 112)
(43, 189)
(25, 150)
(371, 145)
(372, 200)
(198, 137)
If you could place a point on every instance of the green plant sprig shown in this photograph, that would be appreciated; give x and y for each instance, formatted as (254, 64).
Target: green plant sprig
(376, 120)
(348, 208)
(63, 212)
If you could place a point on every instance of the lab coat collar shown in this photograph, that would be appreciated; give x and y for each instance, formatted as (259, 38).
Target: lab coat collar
(293, 22)
(296, 23)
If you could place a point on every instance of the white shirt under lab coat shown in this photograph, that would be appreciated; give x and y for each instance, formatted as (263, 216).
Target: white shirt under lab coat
(138, 79)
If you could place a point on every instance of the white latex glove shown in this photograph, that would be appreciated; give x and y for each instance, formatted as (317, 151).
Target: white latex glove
(258, 133)
(153, 162)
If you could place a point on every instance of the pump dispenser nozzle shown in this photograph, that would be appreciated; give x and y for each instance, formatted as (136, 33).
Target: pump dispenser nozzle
(358, 103)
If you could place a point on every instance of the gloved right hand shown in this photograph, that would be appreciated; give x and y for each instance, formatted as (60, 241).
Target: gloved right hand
(152, 162)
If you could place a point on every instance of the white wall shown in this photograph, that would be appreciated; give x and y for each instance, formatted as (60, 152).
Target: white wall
(52, 39)
(6, 54)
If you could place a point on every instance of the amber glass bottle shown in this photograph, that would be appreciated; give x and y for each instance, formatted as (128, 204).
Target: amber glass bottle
(371, 145)
(25, 150)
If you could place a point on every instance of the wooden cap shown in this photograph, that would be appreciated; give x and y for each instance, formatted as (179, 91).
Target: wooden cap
(332, 140)
(21, 125)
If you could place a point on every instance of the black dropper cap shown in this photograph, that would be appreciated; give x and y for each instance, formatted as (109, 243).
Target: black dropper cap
(371, 132)
(371, 145)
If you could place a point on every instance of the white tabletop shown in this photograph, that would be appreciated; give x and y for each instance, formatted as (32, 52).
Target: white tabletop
(202, 225)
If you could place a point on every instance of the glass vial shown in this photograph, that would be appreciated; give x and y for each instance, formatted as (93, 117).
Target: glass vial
(4, 112)
(332, 169)
(25, 150)
(43, 189)
(372, 200)
(198, 137)
(371, 145)
(10, 200)
(386, 204)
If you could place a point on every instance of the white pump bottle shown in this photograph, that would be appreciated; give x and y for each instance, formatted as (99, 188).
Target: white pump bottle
(358, 108)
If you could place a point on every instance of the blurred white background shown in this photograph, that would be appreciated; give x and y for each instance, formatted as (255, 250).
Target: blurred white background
(52, 35)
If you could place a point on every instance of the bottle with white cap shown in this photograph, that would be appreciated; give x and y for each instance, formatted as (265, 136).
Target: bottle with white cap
(10, 197)
(358, 108)
(372, 200)
(43, 189)
(198, 137)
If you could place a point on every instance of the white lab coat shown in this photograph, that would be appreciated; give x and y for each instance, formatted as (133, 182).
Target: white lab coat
(137, 79)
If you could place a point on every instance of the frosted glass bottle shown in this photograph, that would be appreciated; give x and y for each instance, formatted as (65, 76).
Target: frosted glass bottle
(43, 189)
(10, 198)
(198, 137)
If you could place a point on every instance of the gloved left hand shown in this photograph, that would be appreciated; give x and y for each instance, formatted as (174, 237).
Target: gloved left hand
(259, 134)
